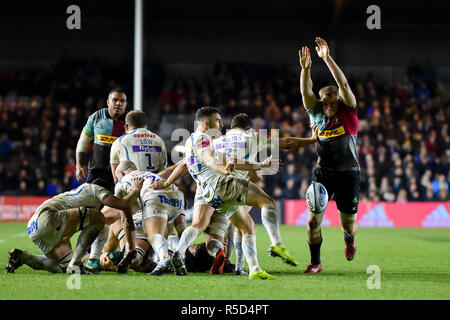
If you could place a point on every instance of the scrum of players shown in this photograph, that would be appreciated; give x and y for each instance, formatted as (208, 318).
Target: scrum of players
(135, 226)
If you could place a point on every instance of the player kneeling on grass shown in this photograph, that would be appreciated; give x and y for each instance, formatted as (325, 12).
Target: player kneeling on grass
(59, 218)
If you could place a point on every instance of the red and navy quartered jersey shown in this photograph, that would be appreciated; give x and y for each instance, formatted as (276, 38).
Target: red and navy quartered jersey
(105, 131)
(337, 143)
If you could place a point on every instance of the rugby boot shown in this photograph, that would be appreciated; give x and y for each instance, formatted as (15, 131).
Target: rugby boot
(283, 253)
(314, 268)
(350, 250)
(219, 262)
(178, 264)
(262, 275)
(91, 266)
(125, 264)
(241, 272)
(13, 260)
(162, 267)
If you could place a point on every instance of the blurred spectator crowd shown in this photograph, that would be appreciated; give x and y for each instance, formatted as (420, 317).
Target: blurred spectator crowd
(404, 143)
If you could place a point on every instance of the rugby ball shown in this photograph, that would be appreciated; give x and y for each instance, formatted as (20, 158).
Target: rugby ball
(316, 198)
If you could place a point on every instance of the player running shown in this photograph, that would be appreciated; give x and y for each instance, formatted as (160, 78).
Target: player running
(59, 218)
(337, 169)
(218, 190)
(243, 143)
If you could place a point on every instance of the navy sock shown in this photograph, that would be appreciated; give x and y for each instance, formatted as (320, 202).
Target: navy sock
(348, 239)
(315, 252)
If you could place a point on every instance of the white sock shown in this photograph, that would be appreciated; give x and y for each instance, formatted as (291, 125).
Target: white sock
(249, 249)
(187, 237)
(41, 263)
(270, 222)
(159, 244)
(239, 254)
(172, 240)
(213, 246)
(84, 241)
(230, 246)
(99, 243)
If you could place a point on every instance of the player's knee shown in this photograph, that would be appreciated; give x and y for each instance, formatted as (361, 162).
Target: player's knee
(96, 219)
(248, 227)
(314, 221)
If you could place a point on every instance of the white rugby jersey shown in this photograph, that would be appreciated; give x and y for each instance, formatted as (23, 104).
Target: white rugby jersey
(145, 148)
(87, 195)
(123, 187)
(205, 177)
(242, 145)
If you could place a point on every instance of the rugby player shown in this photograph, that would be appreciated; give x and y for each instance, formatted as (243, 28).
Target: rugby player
(218, 190)
(243, 143)
(335, 113)
(159, 207)
(59, 218)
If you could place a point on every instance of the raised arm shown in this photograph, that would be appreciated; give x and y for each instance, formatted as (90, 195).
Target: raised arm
(296, 143)
(345, 92)
(308, 96)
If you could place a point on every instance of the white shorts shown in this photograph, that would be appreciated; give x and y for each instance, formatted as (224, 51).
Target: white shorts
(46, 227)
(230, 193)
(168, 205)
(139, 230)
(218, 225)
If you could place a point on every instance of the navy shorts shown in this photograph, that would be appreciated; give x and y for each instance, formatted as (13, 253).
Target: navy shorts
(342, 186)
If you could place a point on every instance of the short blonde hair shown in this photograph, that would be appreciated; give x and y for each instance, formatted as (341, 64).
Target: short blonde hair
(328, 91)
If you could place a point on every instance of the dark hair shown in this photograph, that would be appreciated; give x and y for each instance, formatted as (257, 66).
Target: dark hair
(136, 119)
(241, 120)
(119, 90)
(205, 112)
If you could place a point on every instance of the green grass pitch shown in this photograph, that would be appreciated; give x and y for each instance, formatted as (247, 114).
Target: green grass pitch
(414, 264)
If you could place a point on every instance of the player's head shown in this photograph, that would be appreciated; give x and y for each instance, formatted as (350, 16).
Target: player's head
(241, 121)
(209, 118)
(117, 103)
(124, 167)
(135, 119)
(329, 96)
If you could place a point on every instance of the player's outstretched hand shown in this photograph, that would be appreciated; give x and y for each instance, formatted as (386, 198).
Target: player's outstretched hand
(305, 58)
(137, 184)
(322, 48)
(80, 173)
(269, 162)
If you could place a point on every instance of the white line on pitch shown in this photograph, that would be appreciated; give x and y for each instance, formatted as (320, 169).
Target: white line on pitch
(19, 235)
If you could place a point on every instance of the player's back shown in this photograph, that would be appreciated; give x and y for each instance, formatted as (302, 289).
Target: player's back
(203, 175)
(240, 144)
(86, 195)
(145, 148)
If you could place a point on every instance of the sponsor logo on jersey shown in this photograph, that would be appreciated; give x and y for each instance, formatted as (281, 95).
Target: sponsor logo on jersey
(146, 148)
(332, 133)
(231, 144)
(143, 135)
(203, 143)
(106, 139)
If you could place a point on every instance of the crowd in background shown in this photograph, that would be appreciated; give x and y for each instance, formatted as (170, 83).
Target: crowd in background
(404, 142)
